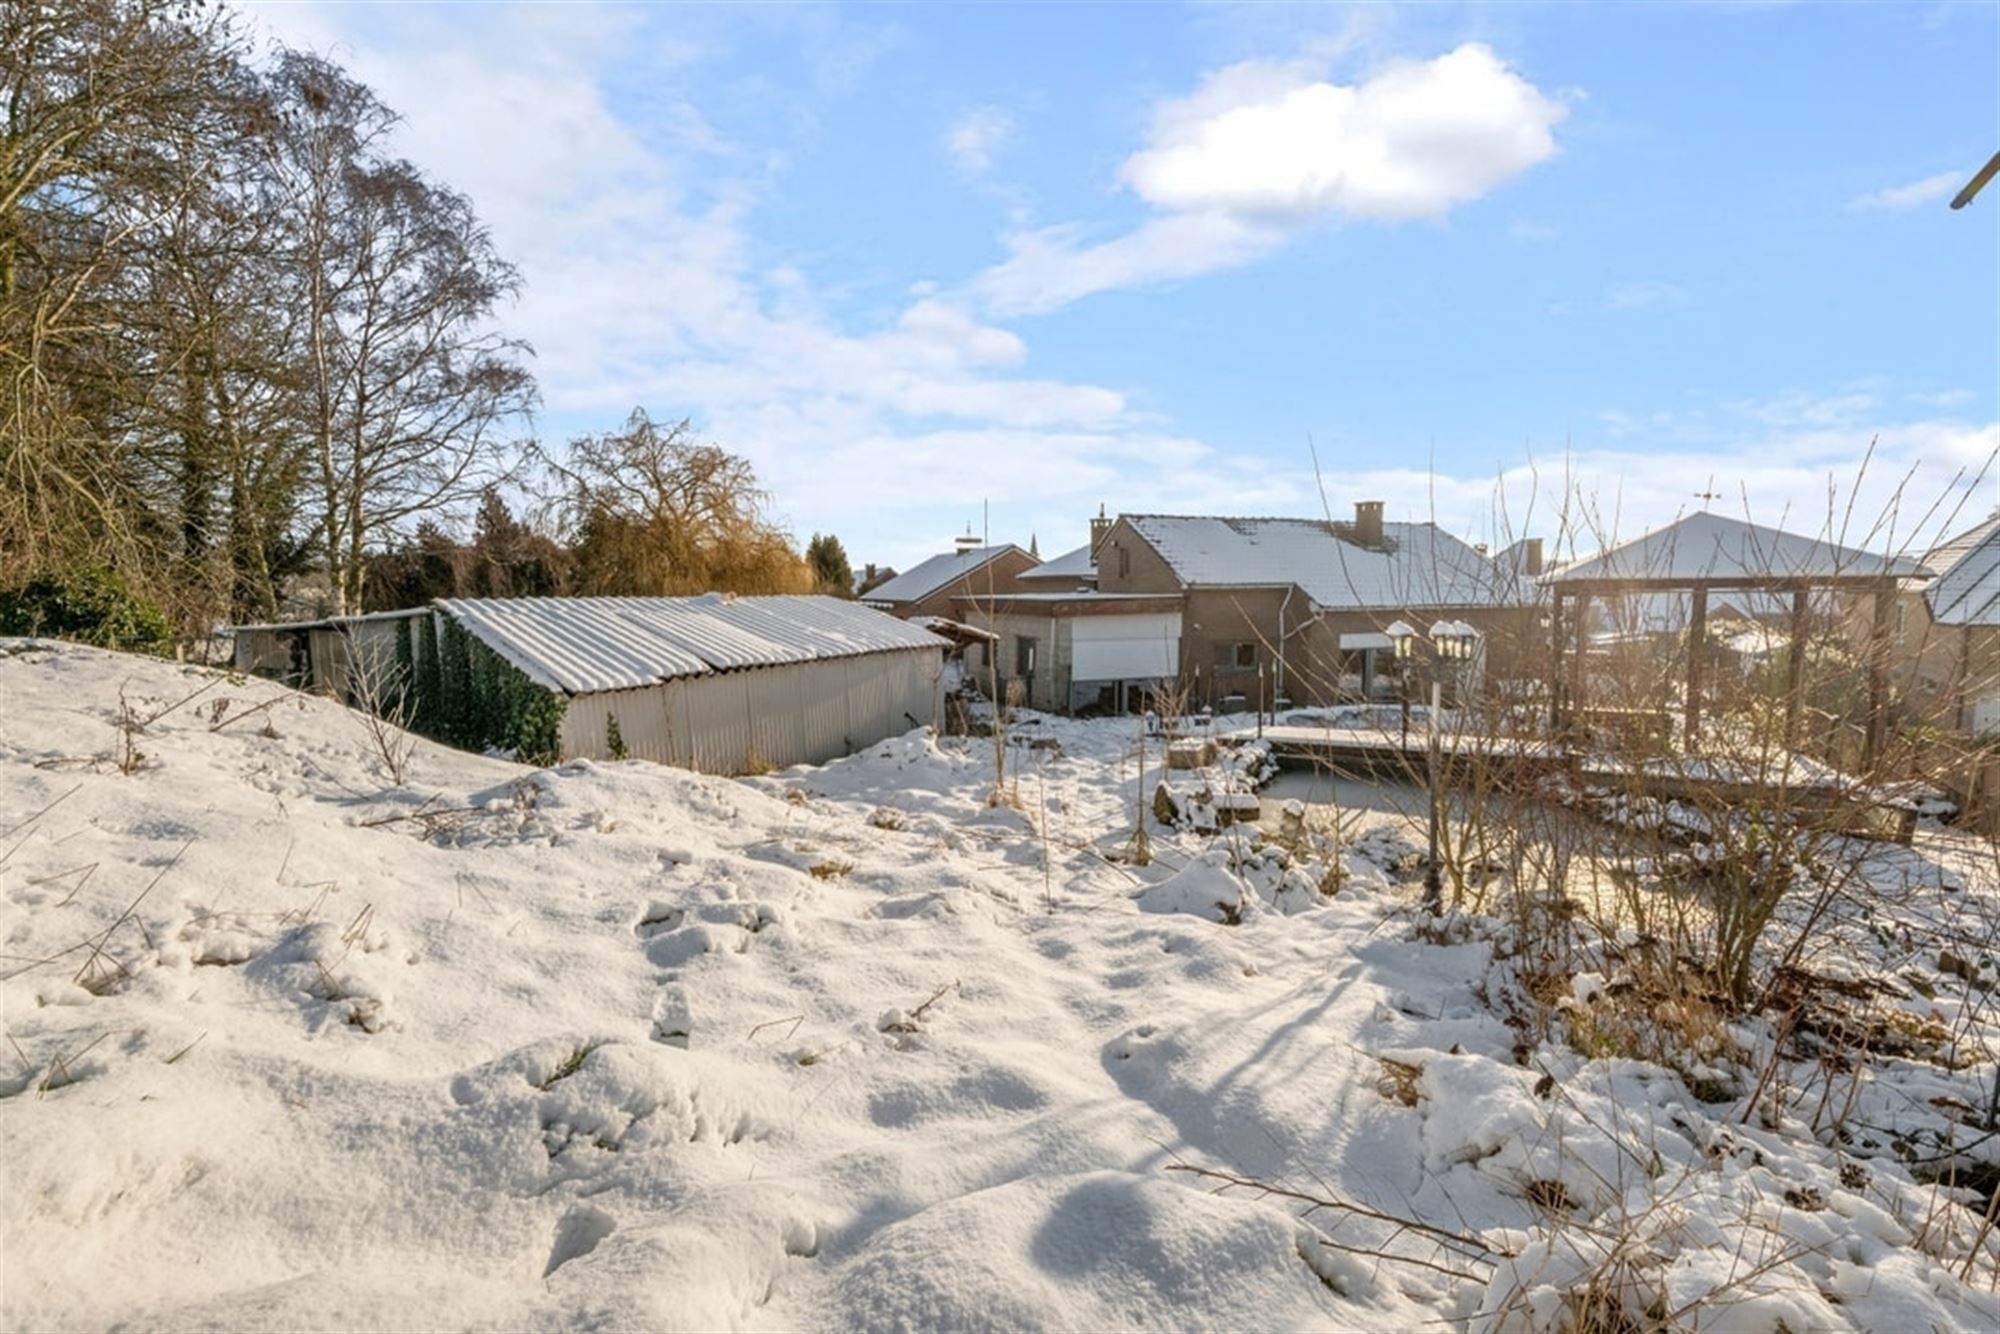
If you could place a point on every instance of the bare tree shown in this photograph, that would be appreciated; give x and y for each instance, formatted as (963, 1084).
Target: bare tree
(106, 105)
(409, 388)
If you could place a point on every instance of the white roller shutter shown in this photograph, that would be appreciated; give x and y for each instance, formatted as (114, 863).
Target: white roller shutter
(1136, 646)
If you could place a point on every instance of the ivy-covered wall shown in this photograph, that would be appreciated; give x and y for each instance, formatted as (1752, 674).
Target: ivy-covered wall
(467, 695)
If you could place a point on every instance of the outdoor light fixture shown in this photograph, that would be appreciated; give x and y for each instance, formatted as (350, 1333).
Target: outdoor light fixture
(1402, 638)
(1453, 645)
(1454, 640)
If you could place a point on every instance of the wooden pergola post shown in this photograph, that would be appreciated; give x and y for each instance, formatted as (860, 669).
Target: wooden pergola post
(1878, 674)
(1556, 664)
(1697, 644)
(1580, 613)
(1795, 668)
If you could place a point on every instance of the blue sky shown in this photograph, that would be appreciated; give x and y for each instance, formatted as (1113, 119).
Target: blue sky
(921, 263)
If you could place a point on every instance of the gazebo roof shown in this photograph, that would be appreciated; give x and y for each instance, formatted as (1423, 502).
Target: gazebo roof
(1718, 551)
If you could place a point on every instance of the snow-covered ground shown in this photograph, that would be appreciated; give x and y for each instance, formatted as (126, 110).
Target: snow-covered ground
(617, 1046)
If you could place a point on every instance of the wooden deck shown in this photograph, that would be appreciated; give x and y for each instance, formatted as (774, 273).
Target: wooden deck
(1371, 751)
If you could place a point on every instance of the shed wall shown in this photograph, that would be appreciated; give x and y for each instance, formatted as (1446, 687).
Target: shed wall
(263, 652)
(775, 716)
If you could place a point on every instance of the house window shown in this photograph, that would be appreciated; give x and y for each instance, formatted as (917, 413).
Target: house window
(1240, 657)
(1024, 656)
(1124, 562)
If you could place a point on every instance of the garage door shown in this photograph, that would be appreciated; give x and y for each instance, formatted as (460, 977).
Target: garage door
(1142, 646)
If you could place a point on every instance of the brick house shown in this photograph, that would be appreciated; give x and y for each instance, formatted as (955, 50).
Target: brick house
(1250, 612)
(932, 587)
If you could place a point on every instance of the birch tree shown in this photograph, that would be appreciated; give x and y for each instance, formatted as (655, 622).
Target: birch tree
(411, 390)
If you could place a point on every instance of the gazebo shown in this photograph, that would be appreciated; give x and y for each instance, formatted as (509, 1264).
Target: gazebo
(1707, 552)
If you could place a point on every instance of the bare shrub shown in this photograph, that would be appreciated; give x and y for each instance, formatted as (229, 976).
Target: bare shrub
(381, 694)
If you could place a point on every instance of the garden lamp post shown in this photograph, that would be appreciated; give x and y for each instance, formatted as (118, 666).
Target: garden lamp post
(1403, 639)
(1453, 644)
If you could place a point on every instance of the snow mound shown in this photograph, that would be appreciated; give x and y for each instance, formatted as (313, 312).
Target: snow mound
(871, 1045)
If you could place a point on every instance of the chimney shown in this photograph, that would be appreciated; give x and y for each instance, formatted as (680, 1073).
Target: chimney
(965, 542)
(1368, 523)
(1099, 527)
(1531, 557)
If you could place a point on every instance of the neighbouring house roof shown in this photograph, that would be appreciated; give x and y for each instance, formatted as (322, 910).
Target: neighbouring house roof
(956, 631)
(332, 622)
(1074, 595)
(1077, 602)
(1418, 564)
(579, 645)
(940, 571)
(1967, 588)
(1714, 548)
(1074, 565)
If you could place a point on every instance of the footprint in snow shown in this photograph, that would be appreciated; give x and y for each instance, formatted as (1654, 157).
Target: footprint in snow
(578, 1234)
(673, 1020)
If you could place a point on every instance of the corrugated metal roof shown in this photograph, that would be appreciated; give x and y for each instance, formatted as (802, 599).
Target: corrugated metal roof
(1715, 546)
(940, 571)
(579, 645)
(1418, 565)
(1967, 591)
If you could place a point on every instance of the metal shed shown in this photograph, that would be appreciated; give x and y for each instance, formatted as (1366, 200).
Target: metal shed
(721, 684)
(323, 655)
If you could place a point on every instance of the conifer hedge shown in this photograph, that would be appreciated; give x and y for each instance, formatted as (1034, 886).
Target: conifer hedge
(469, 696)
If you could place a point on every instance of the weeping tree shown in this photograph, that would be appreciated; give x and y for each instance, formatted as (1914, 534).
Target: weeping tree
(654, 510)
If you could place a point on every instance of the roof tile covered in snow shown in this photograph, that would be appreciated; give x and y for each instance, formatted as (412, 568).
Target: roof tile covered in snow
(940, 571)
(1076, 565)
(1714, 547)
(1967, 589)
(1418, 564)
(579, 645)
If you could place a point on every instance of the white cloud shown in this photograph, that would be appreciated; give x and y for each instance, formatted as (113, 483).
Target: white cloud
(1644, 293)
(1261, 148)
(1923, 482)
(974, 138)
(1412, 141)
(1053, 266)
(644, 287)
(1915, 194)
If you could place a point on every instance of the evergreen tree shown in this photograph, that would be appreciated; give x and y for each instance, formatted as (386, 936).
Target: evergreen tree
(828, 560)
